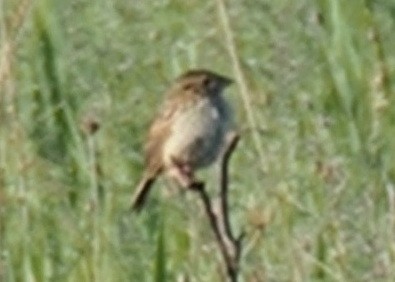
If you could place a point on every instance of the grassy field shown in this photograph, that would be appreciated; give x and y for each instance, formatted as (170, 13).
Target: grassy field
(313, 178)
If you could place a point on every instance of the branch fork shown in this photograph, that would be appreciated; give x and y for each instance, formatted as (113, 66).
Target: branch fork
(230, 245)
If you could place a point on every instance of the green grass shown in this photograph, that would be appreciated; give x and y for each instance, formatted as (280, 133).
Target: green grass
(317, 205)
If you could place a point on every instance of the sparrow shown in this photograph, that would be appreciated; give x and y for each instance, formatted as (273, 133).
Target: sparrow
(188, 131)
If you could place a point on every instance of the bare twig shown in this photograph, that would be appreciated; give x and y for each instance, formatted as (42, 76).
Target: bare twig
(232, 140)
(230, 246)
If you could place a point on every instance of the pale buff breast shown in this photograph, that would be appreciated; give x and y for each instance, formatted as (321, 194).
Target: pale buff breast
(197, 134)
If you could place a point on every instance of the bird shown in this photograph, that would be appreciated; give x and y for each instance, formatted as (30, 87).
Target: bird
(187, 132)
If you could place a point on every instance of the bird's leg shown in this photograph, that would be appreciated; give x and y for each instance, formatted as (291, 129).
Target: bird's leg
(182, 178)
(183, 173)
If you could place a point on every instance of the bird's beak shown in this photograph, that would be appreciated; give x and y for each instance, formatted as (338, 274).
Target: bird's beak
(226, 81)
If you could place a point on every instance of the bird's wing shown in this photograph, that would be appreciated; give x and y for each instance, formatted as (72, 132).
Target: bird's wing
(159, 132)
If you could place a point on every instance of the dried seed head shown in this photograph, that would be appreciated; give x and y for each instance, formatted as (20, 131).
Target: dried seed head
(90, 124)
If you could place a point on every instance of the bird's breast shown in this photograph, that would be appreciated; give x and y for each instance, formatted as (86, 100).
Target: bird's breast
(196, 134)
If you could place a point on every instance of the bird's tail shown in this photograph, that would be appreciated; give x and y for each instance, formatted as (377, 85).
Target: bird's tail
(141, 193)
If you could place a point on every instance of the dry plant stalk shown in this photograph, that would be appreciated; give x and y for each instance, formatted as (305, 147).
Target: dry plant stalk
(240, 78)
(8, 49)
(230, 246)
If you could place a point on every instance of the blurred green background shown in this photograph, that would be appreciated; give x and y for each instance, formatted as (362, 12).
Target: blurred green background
(312, 180)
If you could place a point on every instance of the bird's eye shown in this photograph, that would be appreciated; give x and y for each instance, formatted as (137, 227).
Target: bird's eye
(206, 81)
(209, 83)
